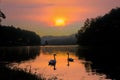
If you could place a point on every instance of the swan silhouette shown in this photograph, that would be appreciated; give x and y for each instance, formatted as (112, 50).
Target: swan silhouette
(53, 61)
(70, 59)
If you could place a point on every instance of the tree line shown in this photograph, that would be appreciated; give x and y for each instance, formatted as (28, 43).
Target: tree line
(102, 30)
(11, 36)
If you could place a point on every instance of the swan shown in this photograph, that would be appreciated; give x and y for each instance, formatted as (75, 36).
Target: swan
(53, 61)
(70, 59)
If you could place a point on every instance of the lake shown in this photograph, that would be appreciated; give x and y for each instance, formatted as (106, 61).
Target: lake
(79, 69)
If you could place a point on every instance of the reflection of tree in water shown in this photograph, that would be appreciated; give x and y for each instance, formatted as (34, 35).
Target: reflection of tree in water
(50, 50)
(104, 60)
(18, 53)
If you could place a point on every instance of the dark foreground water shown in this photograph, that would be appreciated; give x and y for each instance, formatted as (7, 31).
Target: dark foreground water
(79, 69)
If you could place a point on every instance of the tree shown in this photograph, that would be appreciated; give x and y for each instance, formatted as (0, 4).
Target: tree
(102, 30)
(2, 15)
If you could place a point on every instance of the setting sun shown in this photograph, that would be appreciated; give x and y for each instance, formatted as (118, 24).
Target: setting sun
(59, 22)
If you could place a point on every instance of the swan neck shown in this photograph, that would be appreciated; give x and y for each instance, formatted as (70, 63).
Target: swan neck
(68, 55)
(54, 57)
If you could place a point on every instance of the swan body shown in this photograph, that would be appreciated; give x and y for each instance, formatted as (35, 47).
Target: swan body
(70, 59)
(53, 61)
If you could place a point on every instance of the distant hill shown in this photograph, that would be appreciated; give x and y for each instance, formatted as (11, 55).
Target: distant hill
(59, 40)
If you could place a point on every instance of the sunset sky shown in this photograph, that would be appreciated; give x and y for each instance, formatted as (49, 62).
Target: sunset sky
(53, 17)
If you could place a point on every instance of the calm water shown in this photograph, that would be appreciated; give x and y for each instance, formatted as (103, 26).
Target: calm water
(63, 70)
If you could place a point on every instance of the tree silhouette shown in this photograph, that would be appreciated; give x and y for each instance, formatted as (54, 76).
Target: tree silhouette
(102, 30)
(2, 15)
(11, 36)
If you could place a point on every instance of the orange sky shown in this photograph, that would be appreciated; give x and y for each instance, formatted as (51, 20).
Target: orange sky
(39, 15)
